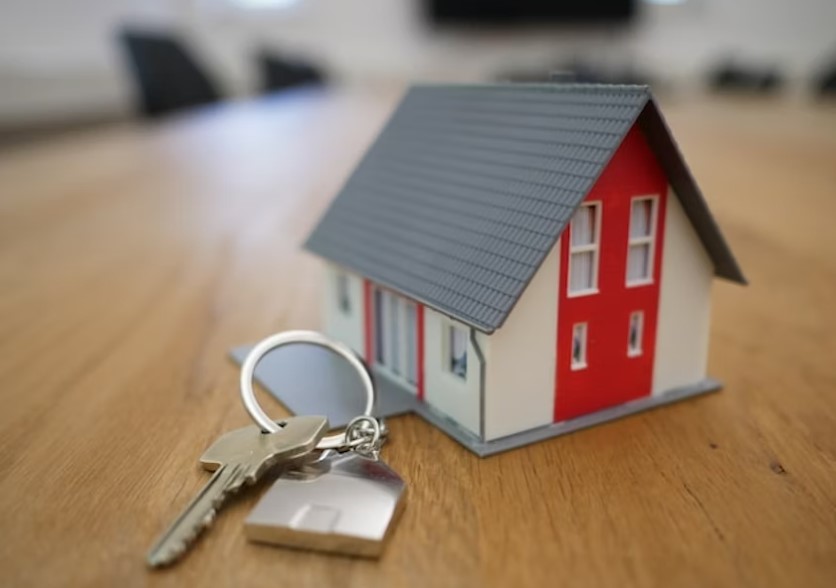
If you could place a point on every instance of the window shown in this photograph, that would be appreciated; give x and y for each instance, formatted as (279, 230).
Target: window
(379, 329)
(394, 360)
(634, 334)
(343, 296)
(396, 335)
(457, 351)
(585, 237)
(642, 236)
(411, 343)
(579, 346)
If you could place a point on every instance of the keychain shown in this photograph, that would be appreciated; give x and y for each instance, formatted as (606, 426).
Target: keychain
(346, 500)
(343, 499)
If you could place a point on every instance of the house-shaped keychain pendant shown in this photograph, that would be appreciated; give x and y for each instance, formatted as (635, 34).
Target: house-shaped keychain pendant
(346, 504)
(523, 260)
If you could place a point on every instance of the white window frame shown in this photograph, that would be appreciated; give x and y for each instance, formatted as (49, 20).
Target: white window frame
(639, 348)
(395, 317)
(410, 330)
(581, 363)
(594, 247)
(447, 347)
(644, 240)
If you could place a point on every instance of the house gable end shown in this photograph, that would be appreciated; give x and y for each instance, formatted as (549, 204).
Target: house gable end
(661, 141)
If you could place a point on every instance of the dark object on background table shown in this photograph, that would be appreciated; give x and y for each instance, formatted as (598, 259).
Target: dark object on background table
(582, 72)
(578, 71)
(733, 77)
(825, 83)
(535, 12)
(168, 78)
(280, 73)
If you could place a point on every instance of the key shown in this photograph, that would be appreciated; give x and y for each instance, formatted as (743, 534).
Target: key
(238, 458)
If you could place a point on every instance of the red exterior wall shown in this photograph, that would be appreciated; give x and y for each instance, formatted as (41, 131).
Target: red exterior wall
(611, 377)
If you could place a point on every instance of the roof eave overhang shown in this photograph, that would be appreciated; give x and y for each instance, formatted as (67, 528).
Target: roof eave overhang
(662, 143)
(479, 326)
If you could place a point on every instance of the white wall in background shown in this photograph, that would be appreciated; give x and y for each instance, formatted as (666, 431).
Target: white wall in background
(58, 58)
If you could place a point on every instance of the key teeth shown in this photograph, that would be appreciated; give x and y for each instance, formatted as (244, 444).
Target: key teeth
(174, 551)
(167, 557)
(229, 478)
(170, 555)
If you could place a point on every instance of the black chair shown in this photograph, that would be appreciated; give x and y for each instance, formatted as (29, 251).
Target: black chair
(824, 84)
(167, 77)
(278, 73)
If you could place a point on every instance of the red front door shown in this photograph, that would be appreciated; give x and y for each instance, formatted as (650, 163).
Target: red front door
(610, 267)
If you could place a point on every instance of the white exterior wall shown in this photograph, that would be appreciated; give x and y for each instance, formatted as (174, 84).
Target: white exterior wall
(457, 398)
(521, 355)
(344, 327)
(684, 304)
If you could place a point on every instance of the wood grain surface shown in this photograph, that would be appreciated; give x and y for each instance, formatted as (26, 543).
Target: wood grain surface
(131, 259)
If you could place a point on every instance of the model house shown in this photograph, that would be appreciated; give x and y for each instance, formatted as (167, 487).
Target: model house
(525, 259)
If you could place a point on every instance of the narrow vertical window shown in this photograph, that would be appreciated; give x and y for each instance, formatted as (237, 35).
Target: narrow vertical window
(584, 245)
(343, 296)
(411, 343)
(579, 346)
(457, 351)
(378, 325)
(634, 334)
(395, 333)
(642, 237)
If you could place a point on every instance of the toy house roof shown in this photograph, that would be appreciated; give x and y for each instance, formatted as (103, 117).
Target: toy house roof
(467, 188)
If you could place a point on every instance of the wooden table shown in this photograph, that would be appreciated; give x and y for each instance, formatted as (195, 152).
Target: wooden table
(132, 259)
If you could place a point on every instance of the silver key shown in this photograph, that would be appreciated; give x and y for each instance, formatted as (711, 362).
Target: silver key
(238, 458)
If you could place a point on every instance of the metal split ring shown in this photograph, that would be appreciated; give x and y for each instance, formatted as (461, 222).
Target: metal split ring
(361, 430)
(363, 435)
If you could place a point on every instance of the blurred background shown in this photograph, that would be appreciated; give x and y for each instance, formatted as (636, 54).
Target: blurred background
(69, 64)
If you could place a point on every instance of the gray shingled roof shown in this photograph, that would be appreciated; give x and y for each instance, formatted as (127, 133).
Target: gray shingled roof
(467, 188)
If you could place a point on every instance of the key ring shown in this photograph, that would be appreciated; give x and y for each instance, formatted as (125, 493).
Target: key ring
(268, 425)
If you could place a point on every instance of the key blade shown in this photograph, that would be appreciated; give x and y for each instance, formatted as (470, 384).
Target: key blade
(239, 458)
(197, 515)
